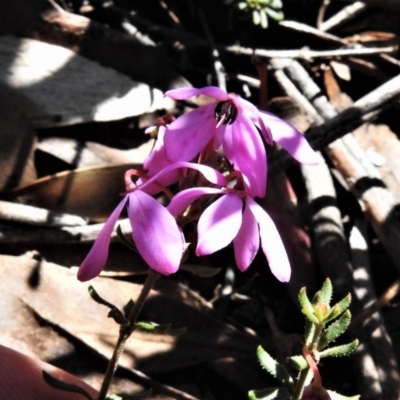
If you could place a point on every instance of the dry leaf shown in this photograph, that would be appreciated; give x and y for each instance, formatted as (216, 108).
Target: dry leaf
(341, 70)
(20, 330)
(286, 108)
(383, 148)
(56, 296)
(17, 139)
(370, 36)
(88, 154)
(89, 192)
(65, 88)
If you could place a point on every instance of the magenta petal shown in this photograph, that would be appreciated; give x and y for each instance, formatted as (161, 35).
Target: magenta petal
(271, 243)
(170, 175)
(155, 233)
(96, 259)
(184, 199)
(157, 159)
(228, 145)
(187, 136)
(187, 93)
(247, 241)
(219, 224)
(249, 109)
(250, 155)
(290, 139)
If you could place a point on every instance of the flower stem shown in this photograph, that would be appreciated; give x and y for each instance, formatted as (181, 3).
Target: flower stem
(301, 382)
(126, 331)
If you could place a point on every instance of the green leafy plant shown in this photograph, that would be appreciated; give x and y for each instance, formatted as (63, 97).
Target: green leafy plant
(324, 324)
(262, 9)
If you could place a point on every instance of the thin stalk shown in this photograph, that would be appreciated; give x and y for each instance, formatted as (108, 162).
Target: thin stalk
(126, 331)
(317, 335)
(301, 382)
(303, 377)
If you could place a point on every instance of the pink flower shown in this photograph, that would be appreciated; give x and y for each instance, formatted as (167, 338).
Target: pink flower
(154, 230)
(157, 159)
(235, 217)
(234, 123)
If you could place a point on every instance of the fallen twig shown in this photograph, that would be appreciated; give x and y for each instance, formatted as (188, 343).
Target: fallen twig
(327, 228)
(361, 175)
(378, 304)
(308, 54)
(345, 14)
(363, 110)
(300, 27)
(80, 234)
(376, 366)
(37, 216)
(381, 378)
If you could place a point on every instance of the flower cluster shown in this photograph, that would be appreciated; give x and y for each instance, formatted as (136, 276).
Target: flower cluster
(241, 131)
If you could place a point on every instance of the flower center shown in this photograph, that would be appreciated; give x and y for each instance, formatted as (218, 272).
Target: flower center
(225, 112)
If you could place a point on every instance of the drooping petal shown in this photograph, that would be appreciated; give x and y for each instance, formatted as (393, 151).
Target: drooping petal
(188, 135)
(249, 109)
(228, 145)
(247, 241)
(290, 139)
(157, 159)
(96, 259)
(219, 224)
(183, 199)
(187, 93)
(271, 243)
(155, 233)
(250, 155)
(170, 174)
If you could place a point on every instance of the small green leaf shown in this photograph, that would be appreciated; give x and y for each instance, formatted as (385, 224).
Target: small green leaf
(339, 308)
(115, 313)
(277, 4)
(96, 297)
(274, 368)
(276, 15)
(264, 18)
(270, 394)
(256, 17)
(200, 270)
(325, 294)
(306, 307)
(334, 330)
(337, 396)
(321, 311)
(128, 307)
(309, 332)
(298, 362)
(64, 386)
(242, 6)
(117, 316)
(125, 241)
(161, 329)
(340, 351)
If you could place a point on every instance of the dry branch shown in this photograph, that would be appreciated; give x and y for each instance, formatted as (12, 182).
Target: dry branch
(308, 54)
(344, 15)
(382, 377)
(37, 216)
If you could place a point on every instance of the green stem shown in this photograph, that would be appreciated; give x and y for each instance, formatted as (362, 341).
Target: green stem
(126, 331)
(301, 382)
(317, 336)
